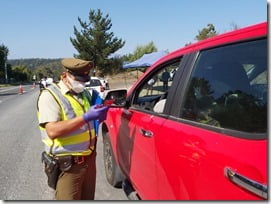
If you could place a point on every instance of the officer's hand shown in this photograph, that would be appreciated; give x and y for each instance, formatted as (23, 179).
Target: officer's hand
(96, 113)
(103, 114)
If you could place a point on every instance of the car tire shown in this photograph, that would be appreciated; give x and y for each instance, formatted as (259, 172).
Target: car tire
(113, 173)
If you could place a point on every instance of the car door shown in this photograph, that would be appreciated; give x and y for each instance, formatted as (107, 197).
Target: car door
(215, 146)
(140, 125)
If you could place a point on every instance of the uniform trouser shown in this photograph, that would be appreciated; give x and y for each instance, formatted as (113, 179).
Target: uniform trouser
(79, 182)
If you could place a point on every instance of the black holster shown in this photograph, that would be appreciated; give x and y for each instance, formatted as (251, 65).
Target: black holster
(64, 162)
(52, 169)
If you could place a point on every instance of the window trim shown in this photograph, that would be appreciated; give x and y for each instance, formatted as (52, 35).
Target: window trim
(225, 131)
(181, 91)
(143, 82)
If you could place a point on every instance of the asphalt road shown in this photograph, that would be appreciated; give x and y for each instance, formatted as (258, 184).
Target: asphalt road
(21, 171)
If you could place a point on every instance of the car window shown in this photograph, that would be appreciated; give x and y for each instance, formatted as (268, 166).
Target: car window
(228, 88)
(153, 93)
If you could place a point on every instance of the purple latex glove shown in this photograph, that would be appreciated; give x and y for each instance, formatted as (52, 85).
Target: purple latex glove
(103, 114)
(95, 113)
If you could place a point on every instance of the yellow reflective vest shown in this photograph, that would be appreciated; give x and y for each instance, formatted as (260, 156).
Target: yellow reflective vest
(80, 142)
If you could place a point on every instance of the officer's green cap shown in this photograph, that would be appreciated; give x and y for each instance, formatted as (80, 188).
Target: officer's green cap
(77, 67)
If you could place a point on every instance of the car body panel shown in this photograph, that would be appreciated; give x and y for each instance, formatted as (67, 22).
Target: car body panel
(138, 149)
(205, 155)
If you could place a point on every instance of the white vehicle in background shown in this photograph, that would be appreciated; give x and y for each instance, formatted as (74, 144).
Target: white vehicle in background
(104, 82)
(95, 84)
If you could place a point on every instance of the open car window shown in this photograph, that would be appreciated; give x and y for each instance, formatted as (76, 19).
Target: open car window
(155, 88)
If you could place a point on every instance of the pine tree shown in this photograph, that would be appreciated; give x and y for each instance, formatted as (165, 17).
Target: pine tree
(207, 32)
(3, 58)
(140, 51)
(95, 42)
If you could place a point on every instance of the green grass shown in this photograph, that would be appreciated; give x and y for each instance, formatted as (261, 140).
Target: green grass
(4, 85)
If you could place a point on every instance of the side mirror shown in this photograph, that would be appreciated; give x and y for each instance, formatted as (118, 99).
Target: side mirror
(116, 98)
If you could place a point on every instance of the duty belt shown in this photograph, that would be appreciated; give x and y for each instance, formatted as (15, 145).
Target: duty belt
(79, 159)
(66, 162)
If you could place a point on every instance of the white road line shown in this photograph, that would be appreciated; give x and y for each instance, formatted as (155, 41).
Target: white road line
(8, 89)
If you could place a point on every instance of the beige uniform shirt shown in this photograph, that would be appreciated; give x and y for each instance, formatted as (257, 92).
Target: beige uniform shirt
(49, 109)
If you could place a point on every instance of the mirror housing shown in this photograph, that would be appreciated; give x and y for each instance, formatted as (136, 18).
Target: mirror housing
(116, 98)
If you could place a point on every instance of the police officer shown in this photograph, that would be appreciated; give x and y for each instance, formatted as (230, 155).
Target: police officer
(66, 123)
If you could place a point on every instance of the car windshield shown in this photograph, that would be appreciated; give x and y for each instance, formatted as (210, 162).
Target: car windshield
(93, 82)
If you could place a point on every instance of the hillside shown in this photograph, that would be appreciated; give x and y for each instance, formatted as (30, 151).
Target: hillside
(124, 79)
(32, 63)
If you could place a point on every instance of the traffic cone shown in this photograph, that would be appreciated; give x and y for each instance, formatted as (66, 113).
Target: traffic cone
(21, 91)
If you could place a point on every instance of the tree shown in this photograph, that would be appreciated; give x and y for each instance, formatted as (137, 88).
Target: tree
(140, 51)
(206, 32)
(3, 58)
(21, 73)
(52, 70)
(95, 42)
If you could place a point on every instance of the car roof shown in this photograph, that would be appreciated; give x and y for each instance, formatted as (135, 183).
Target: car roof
(93, 77)
(93, 82)
(249, 32)
(257, 30)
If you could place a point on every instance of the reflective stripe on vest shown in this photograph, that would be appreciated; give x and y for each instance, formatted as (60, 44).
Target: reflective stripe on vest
(78, 142)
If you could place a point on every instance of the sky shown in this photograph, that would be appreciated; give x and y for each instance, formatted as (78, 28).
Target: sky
(42, 29)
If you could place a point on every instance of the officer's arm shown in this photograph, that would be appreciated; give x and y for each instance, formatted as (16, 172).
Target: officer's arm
(61, 128)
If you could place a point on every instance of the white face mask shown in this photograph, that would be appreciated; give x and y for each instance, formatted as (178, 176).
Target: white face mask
(77, 86)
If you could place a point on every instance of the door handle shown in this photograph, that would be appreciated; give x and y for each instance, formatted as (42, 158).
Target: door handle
(248, 184)
(146, 133)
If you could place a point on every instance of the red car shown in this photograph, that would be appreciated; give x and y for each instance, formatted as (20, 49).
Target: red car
(200, 134)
